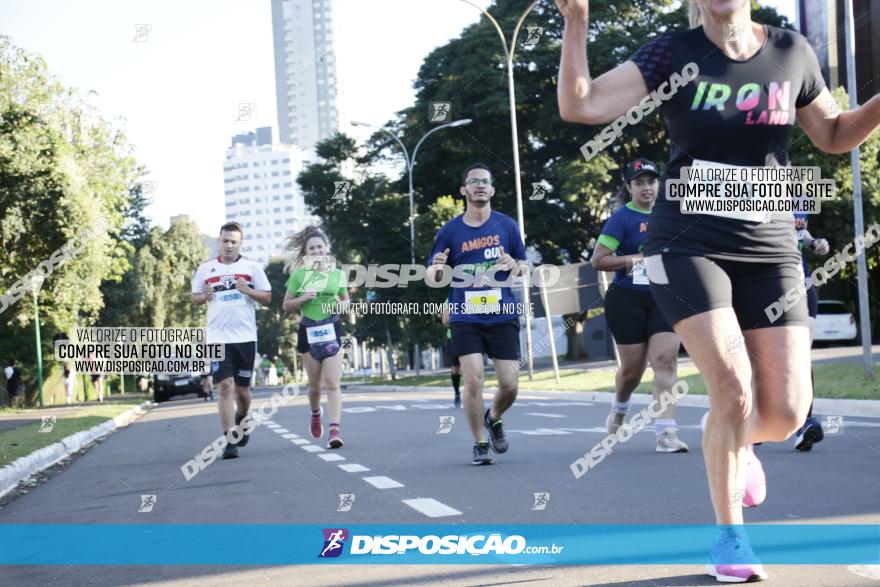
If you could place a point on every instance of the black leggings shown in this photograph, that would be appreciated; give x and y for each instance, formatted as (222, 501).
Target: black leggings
(761, 294)
(632, 315)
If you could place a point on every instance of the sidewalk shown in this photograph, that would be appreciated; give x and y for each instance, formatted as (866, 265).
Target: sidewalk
(11, 420)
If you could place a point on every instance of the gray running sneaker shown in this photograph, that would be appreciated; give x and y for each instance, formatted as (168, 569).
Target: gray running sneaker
(496, 433)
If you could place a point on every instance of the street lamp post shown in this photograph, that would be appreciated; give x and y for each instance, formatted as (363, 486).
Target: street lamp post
(508, 54)
(858, 214)
(36, 291)
(410, 164)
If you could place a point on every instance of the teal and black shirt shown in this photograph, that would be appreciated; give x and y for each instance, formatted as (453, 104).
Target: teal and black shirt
(625, 233)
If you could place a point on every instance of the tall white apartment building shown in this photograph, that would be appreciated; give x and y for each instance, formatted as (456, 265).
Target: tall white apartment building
(305, 71)
(261, 192)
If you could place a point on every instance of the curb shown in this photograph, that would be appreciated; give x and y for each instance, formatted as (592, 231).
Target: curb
(854, 408)
(28, 465)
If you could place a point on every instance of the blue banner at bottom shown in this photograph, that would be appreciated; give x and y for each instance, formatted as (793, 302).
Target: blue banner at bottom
(54, 544)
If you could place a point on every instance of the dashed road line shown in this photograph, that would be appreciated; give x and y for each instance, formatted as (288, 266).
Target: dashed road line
(431, 507)
(331, 457)
(353, 468)
(381, 482)
(311, 448)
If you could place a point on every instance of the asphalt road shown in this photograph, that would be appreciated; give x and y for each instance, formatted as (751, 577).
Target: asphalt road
(403, 467)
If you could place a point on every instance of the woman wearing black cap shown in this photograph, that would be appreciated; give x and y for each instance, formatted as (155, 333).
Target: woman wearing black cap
(640, 331)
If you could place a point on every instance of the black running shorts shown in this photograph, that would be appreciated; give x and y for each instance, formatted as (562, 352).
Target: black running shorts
(685, 286)
(302, 338)
(632, 315)
(499, 341)
(453, 358)
(238, 362)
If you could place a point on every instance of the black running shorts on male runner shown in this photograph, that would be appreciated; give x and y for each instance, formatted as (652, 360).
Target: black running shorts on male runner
(238, 362)
(498, 341)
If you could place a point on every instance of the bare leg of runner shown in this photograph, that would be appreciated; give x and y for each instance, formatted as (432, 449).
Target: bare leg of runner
(313, 373)
(474, 377)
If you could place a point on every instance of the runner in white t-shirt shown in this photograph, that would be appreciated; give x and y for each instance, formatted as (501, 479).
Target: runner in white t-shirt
(231, 285)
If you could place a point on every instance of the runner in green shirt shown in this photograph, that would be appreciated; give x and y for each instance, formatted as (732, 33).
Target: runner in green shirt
(318, 289)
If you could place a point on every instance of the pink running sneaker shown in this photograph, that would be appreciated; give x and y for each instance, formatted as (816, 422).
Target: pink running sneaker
(315, 426)
(335, 440)
(732, 560)
(756, 482)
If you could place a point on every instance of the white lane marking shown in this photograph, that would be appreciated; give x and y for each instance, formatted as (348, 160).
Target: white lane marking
(289, 436)
(331, 457)
(431, 507)
(542, 415)
(272, 425)
(282, 430)
(353, 468)
(382, 482)
(299, 441)
(311, 448)
(557, 431)
(865, 571)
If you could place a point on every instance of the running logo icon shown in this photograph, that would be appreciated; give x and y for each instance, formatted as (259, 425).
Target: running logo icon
(346, 344)
(734, 344)
(334, 541)
(736, 497)
(147, 503)
(538, 191)
(341, 189)
(346, 500)
(541, 501)
(833, 425)
(735, 31)
(245, 111)
(48, 424)
(439, 111)
(533, 35)
(446, 423)
(141, 32)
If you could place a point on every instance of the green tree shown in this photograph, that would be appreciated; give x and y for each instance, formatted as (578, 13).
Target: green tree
(164, 269)
(64, 174)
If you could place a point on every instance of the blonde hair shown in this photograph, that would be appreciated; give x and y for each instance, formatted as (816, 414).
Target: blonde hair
(695, 17)
(295, 247)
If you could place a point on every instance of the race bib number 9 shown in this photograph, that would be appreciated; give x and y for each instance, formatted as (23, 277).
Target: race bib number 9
(324, 333)
(487, 301)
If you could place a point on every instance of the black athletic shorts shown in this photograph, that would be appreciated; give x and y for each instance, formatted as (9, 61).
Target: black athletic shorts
(685, 286)
(453, 358)
(632, 315)
(238, 362)
(302, 339)
(499, 341)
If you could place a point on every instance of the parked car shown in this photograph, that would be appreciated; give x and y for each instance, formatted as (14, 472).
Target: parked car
(166, 386)
(835, 322)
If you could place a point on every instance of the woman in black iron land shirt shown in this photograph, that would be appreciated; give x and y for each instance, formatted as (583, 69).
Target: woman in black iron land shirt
(713, 276)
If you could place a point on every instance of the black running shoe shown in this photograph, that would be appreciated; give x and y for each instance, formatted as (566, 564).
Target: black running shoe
(244, 437)
(496, 433)
(481, 454)
(230, 452)
(457, 399)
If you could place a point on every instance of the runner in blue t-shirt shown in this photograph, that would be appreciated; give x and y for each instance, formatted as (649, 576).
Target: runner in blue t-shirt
(640, 331)
(811, 432)
(481, 247)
